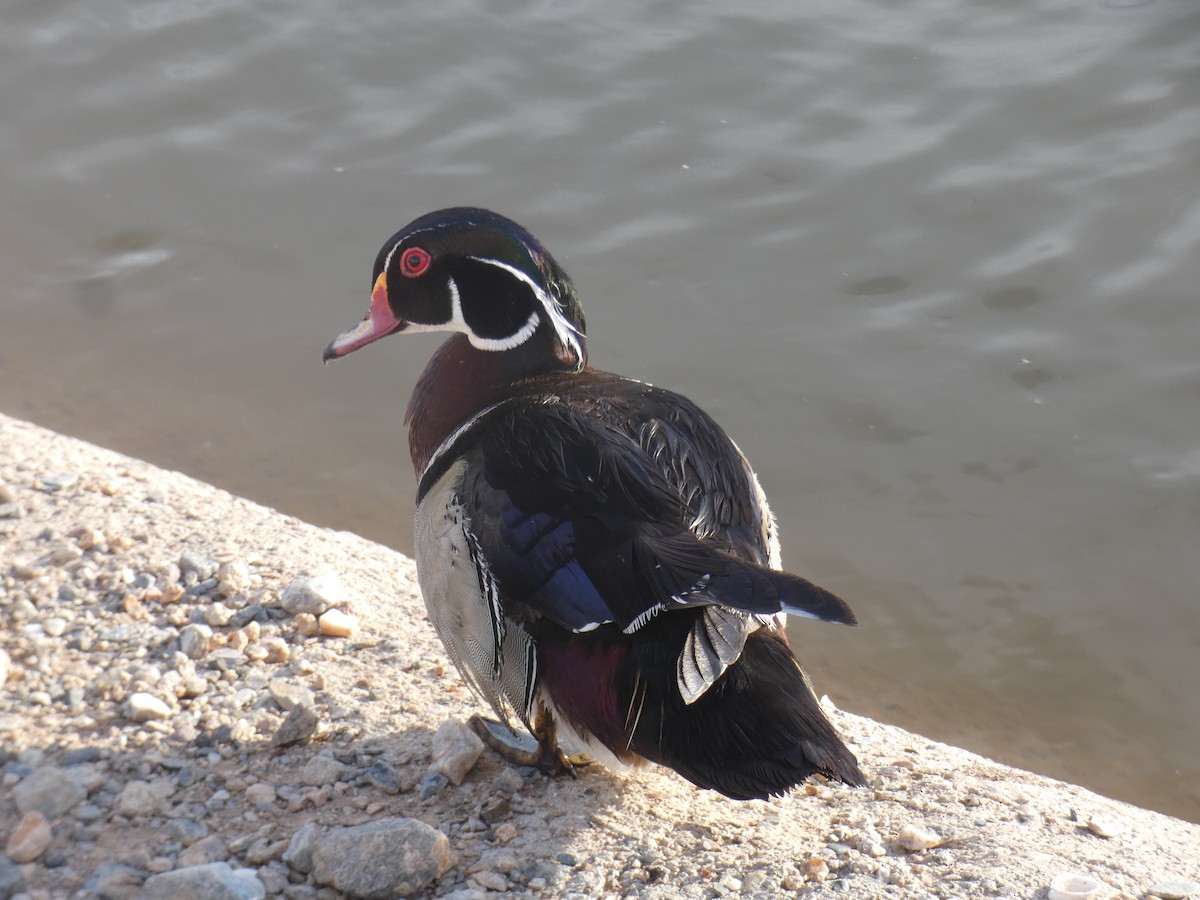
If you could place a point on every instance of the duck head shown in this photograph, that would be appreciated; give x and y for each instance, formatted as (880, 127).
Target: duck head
(479, 274)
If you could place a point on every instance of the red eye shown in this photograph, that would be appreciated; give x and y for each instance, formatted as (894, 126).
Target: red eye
(414, 262)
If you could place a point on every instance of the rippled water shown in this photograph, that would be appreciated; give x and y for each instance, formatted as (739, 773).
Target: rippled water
(935, 266)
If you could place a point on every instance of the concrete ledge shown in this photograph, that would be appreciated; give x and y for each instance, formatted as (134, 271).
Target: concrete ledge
(94, 605)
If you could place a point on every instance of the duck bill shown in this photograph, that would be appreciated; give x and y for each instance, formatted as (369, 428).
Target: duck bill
(378, 322)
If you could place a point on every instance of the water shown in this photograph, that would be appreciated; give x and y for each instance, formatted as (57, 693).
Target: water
(933, 266)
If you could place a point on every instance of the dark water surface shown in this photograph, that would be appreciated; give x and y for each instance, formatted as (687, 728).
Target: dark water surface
(935, 266)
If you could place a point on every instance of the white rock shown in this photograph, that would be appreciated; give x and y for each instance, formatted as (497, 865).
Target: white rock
(54, 626)
(195, 639)
(314, 595)
(1105, 826)
(144, 707)
(915, 837)
(335, 623)
(233, 577)
(5, 667)
(456, 749)
(218, 615)
(30, 838)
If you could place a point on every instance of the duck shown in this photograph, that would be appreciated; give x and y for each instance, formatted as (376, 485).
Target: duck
(595, 553)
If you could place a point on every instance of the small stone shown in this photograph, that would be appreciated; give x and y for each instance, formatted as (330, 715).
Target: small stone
(386, 858)
(306, 624)
(52, 483)
(384, 777)
(185, 831)
(493, 881)
(214, 881)
(505, 832)
(144, 798)
(204, 852)
(322, 770)
(90, 538)
(261, 795)
(509, 780)
(233, 577)
(217, 614)
(30, 838)
(335, 623)
(815, 869)
(1104, 826)
(144, 707)
(195, 567)
(456, 748)
(1175, 890)
(112, 879)
(300, 724)
(5, 667)
(314, 595)
(495, 810)
(54, 626)
(913, 837)
(299, 853)
(289, 694)
(7, 495)
(432, 783)
(275, 649)
(50, 790)
(11, 511)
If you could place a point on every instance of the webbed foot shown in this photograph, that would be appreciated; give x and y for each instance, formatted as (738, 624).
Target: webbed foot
(540, 751)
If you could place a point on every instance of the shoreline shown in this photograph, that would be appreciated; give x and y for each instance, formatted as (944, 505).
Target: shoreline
(150, 645)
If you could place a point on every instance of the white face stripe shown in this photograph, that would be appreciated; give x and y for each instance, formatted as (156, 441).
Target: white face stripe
(568, 334)
(459, 323)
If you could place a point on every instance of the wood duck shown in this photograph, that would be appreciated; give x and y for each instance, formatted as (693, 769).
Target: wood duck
(595, 553)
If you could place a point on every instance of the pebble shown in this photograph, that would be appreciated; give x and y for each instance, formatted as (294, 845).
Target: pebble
(261, 795)
(112, 879)
(196, 567)
(54, 626)
(11, 511)
(233, 577)
(493, 881)
(145, 707)
(322, 770)
(385, 858)
(335, 623)
(1175, 890)
(12, 880)
(52, 483)
(300, 724)
(5, 667)
(50, 790)
(456, 748)
(912, 837)
(218, 615)
(205, 851)
(1105, 826)
(214, 881)
(314, 595)
(299, 853)
(384, 777)
(144, 798)
(289, 694)
(29, 839)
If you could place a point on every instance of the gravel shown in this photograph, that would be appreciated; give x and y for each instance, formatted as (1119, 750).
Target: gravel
(265, 756)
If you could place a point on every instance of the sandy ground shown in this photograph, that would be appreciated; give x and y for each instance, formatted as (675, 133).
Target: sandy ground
(101, 593)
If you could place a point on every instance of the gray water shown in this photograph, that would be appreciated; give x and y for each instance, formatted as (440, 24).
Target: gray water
(934, 265)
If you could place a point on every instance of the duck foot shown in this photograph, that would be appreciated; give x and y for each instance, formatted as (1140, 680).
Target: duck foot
(539, 751)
